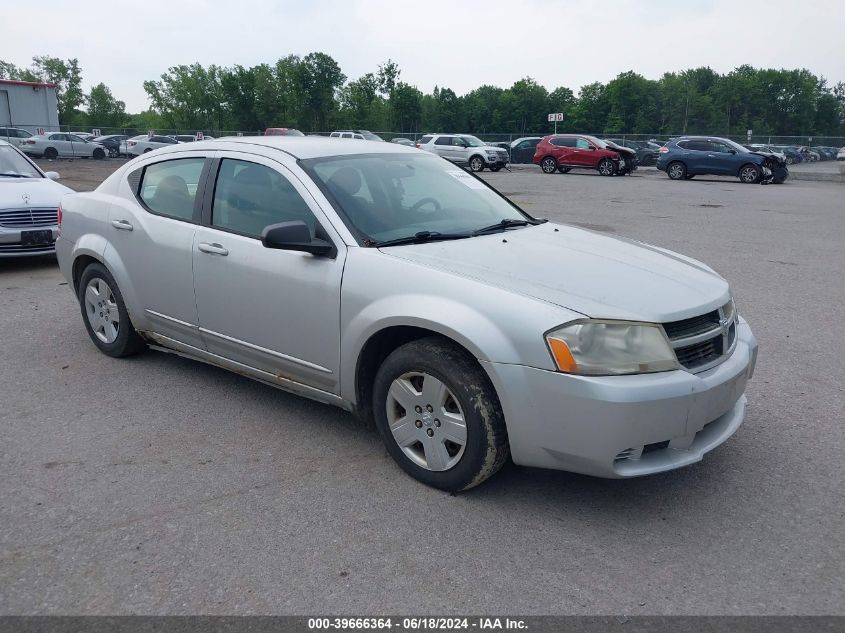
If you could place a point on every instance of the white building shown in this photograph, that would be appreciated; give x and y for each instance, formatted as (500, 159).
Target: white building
(29, 105)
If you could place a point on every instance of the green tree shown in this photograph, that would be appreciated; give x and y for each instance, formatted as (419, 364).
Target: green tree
(320, 78)
(103, 109)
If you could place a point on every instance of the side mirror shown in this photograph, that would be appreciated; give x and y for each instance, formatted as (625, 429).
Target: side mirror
(731, 151)
(593, 147)
(295, 236)
(52, 175)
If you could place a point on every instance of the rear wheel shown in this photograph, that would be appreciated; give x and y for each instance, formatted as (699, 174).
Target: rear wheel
(50, 153)
(677, 170)
(606, 167)
(476, 163)
(439, 416)
(105, 315)
(99, 154)
(148, 150)
(749, 174)
(548, 165)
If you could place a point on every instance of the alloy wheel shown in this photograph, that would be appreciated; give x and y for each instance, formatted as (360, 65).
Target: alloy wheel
(549, 165)
(605, 168)
(102, 311)
(748, 174)
(676, 171)
(426, 421)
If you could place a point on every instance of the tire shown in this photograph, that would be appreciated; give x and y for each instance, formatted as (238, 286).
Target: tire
(548, 165)
(104, 309)
(676, 170)
(564, 170)
(605, 167)
(50, 153)
(495, 167)
(435, 369)
(99, 154)
(476, 164)
(148, 150)
(749, 174)
(689, 176)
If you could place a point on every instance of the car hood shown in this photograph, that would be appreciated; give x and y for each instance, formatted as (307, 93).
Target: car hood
(41, 192)
(584, 271)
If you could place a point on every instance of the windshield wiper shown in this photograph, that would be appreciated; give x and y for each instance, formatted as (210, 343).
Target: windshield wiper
(16, 175)
(418, 238)
(502, 225)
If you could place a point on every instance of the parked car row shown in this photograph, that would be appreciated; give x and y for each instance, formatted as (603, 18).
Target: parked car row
(465, 149)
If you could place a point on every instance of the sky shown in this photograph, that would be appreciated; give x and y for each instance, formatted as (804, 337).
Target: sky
(460, 44)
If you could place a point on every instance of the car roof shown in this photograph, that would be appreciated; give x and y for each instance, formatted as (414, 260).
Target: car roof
(301, 147)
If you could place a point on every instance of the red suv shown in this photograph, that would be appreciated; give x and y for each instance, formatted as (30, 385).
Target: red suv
(563, 152)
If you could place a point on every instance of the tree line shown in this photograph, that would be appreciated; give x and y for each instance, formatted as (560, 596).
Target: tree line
(312, 94)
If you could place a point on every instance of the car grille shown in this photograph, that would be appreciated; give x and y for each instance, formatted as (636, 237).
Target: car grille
(23, 249)
(705, 340)
(22, 218)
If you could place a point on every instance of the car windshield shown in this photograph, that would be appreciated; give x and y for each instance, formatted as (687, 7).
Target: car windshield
(13, 165)
(474, 142)
(393, 196)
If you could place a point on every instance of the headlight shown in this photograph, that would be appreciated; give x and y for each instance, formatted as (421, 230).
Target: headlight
(601, 348)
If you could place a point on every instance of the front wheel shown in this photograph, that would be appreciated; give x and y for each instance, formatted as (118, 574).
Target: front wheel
(439, 416)
(749, 174)
(476, 163)
(105, 315)
(606, 167)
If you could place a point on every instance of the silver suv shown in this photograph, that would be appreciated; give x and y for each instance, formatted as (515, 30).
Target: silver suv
(393, 284)
(465, 149)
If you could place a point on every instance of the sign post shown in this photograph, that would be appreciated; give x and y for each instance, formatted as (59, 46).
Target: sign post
(748, 133)
(555, 116)
(200, 136)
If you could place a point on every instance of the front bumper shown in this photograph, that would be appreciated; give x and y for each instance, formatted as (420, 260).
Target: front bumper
(623, 426)
(11, 245)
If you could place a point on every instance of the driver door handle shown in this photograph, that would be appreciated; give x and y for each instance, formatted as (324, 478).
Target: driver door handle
(213, 249)
(123, 225)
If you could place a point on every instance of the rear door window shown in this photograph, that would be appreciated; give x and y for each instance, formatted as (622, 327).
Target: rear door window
(170, 188)
(443, 140)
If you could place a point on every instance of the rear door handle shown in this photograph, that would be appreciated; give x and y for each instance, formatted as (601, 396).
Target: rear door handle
(212, 249)
(123, 225)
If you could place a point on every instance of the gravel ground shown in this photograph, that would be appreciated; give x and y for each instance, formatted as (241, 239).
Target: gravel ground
(157, 485)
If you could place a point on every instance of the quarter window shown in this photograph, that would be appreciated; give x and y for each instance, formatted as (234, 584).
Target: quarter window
(170, 187)
(249, 197)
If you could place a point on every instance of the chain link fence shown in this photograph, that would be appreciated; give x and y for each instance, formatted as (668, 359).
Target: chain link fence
(490, 137)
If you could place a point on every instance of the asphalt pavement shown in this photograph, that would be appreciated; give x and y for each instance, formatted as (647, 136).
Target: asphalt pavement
(156, 485)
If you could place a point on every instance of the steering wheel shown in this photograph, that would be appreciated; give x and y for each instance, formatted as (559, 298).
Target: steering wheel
(416, 206)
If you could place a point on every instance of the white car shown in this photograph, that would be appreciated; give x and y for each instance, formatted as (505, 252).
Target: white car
(840, 155)
(56, 144)
(465, 149)
(29, 203)
(14, 135)
(189, 138)
(138, 145)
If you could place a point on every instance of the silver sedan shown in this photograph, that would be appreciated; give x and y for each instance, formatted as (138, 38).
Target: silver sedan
(396, 285)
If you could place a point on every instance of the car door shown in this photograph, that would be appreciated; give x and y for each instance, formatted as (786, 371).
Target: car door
(61, 143)
(583, 154)
(563, 146)
(443, 146)
(726, 161)
(152, 231)
(694, 155)
(276, 311)
(78, 146)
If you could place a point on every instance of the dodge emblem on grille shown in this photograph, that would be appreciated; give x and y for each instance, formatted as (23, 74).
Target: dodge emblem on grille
(25, 198)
